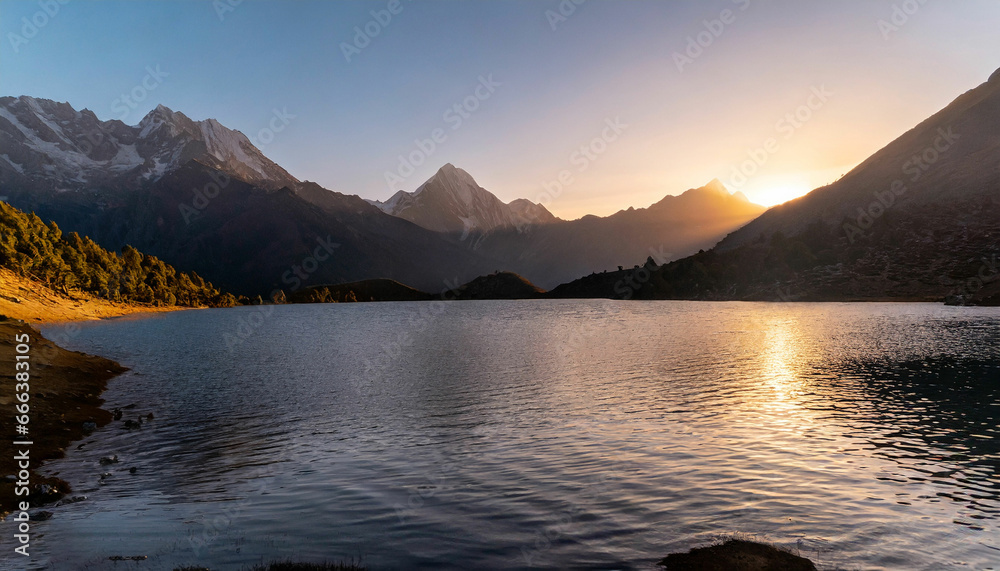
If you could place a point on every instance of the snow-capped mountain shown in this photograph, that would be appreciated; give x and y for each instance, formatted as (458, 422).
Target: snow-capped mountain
(146, 185)
(452, 202)
(52, 144)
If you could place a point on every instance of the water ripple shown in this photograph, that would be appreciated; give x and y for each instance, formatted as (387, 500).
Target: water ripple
(563, 435)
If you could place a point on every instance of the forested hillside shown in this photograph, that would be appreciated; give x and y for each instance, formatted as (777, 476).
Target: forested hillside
(40, 251)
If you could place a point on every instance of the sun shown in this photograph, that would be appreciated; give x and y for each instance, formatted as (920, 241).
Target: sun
(778, 194)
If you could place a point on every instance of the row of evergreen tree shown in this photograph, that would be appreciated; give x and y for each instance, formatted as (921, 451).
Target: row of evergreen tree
(34, 249)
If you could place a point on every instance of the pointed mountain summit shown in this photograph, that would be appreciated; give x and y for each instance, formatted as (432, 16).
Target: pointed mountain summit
(715, 185)
(202, 197)
(526, 238)
(49, 144)
(452, 202)
(711, 203)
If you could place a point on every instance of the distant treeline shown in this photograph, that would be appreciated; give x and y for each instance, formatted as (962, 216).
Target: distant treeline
(34, 249)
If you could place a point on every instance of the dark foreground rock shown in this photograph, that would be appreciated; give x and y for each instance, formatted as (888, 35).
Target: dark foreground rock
(737, 555)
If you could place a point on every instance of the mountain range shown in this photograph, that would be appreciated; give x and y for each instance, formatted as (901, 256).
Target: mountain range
(918, 220)
(50, 145)
(202, 197)
(525, 238)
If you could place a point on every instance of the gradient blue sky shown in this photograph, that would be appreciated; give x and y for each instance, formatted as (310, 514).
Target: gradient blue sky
(609, 59)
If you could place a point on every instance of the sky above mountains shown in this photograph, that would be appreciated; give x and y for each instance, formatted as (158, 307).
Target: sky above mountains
(587, 108)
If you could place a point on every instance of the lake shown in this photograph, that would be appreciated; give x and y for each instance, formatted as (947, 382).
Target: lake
(539, 434)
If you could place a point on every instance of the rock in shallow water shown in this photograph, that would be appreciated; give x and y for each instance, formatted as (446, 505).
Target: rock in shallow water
(737, 555)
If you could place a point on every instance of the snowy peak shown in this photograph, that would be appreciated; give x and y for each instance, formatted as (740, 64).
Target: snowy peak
(162, 116)
(52, 145)
(45, 140)
(453, 179)
(455, 184)
(238, 155)
(180, 139)
(452, 202)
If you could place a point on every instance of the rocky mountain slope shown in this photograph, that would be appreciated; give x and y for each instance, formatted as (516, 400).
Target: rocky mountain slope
(677, 226)
(527, 239)
(50, 145)
(919, 220)
(201, 197)
(950, 157)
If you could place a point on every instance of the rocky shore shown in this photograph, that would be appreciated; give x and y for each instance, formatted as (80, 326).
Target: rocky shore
(64, 406)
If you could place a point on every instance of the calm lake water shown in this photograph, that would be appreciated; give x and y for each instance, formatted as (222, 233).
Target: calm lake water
(549, 434)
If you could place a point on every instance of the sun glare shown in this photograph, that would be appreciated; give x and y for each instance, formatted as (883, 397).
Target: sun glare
(779, 194)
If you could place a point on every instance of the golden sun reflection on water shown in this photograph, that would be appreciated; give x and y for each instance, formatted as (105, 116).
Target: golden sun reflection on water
(780, 363)
(785, 379)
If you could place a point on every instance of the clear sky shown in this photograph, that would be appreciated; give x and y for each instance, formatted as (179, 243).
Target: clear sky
(551, 83)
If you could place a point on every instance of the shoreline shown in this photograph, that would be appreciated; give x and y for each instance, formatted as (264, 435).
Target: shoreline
(64, 398)
(35, 303)
(65, 387)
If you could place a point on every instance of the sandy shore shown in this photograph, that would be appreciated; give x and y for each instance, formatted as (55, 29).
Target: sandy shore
(33, 302)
